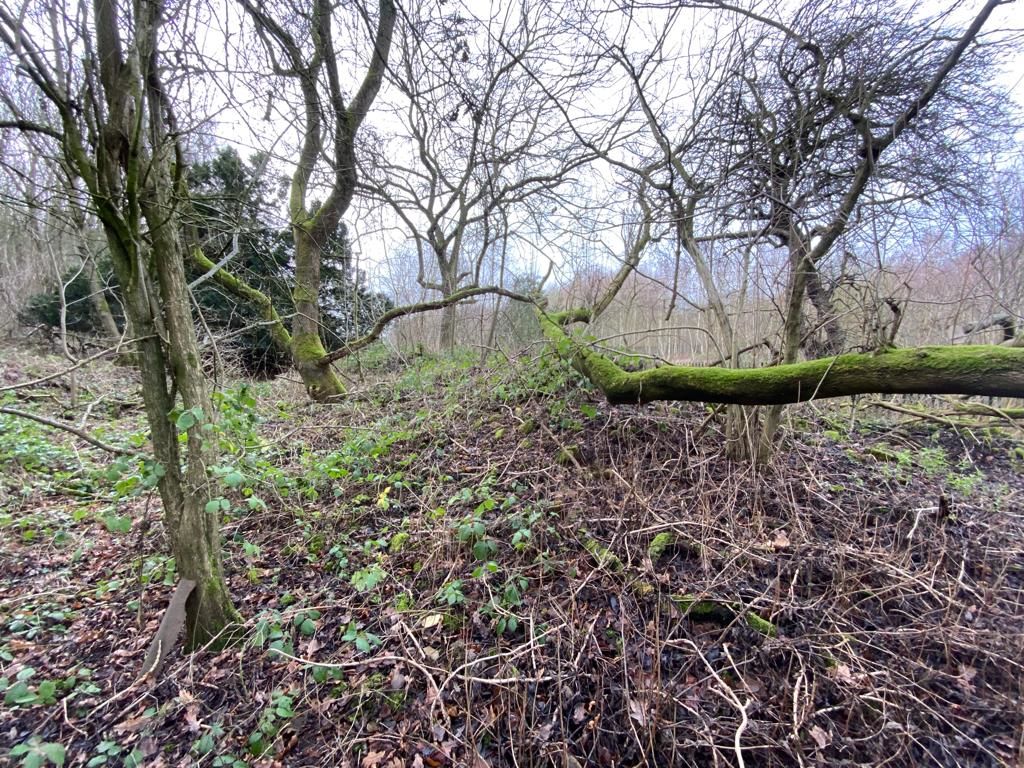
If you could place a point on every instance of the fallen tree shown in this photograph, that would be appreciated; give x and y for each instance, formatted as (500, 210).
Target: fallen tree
(939, 370)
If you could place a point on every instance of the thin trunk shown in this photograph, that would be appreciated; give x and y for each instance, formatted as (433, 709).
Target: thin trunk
(308, 353)
(828, 320)
(98, 299)
(195, 533)
(792, 333)
(449, 315)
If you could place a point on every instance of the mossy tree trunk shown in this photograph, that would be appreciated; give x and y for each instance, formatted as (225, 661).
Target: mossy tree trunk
(327, 115)
(963, 370)
(122, 151)
(308, 352)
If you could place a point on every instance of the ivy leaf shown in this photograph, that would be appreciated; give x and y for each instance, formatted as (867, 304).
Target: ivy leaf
(186, 420)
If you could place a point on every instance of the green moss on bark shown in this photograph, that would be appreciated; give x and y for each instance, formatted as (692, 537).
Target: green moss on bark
(968, 370)
(309, 355)
(722, 612)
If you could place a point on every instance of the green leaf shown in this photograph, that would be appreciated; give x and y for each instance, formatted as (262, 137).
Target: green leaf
(47, 691)
(117, 523)
(54, 752)
(234, 479)
(484, 548)
(19, 694)
(363, 643)
(186, 420)
(307, 627)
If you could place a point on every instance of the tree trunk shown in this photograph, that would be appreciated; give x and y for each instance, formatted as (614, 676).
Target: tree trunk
(308, 353)
(449, 317)
(965, 370)
(450, 313)
(195, 533)
(828, 320)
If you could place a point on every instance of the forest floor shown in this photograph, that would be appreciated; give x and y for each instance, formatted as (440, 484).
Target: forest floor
(493, 567)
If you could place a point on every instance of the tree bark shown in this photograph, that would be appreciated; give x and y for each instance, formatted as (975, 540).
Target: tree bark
(308, 353)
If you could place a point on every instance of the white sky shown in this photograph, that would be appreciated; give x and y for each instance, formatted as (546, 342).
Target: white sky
(374, 236)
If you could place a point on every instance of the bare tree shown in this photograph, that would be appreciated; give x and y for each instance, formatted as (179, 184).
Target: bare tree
(300, 43)
(106, 107)
(478, 140)
(806, 128)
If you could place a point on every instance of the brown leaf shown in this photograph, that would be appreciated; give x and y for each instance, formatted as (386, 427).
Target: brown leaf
(966, 678)
(637, 712)
(780, 540)
(192, 718)
(373, 759)
(131, 725)
(820, 736)
(843, 674)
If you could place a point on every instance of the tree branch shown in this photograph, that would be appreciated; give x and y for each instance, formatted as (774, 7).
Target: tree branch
(965, 370)
(68, 428)
(411, 309)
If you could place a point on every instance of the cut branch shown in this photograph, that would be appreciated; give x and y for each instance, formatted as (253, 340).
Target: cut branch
(68, 428)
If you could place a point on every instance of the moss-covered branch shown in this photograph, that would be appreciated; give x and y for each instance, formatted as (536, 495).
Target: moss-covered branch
(245, 292)
(964, 370)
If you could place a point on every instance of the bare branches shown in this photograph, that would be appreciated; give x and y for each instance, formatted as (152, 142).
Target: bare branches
(411, 309)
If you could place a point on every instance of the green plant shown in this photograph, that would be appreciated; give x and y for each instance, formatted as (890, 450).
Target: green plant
(36, 753)
(965, 484)
(305, 622)
(522, 525)
(20, 694)
(932, 460)
(451, 593)
(367, 578)
(363, 640)
(270, 633)
(109, 752)
(272, 720)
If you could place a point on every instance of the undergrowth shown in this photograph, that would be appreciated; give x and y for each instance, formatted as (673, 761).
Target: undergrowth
(471, 564)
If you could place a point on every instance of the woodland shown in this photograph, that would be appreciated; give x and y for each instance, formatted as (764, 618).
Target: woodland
(428, 383)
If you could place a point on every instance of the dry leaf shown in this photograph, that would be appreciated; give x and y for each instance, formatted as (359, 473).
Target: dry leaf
(431, 620)
(373, 759)
(820, 736)
(131, 725)
(780, 541)
(966, 678)
(192, 718)
(637, 712)
(843, 674)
